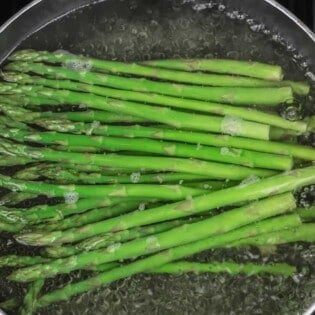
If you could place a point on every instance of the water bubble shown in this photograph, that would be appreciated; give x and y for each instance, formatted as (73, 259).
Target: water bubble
(231, 125)
(113, 248)
(71, 197)
(291, 113)
(78, 65)
(249, 180)
(141, 206)
(135, 177)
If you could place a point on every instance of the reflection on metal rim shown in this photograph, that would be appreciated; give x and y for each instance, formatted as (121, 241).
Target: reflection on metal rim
(17, 15)
(310, 311)
(293, 17)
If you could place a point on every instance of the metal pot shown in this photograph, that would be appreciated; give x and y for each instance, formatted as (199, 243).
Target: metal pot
(142, 29)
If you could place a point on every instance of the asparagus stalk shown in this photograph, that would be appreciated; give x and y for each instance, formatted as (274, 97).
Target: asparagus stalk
(19, 261)
(164, 192)
(60, 175)
(30, 298)
(240, 157)
(184, 234)
(246, 192)
(245, 68)
(157, 260)
(229, 267)
(74, 62)
(184, 267)
(306, 214)
(19, 113)
(14, 198)
(303, 233)
(94, 215)
(190, 166)
(9, 304)
(13, 228)
(41, 213)
(107, 239)
(217, 109)
(168, 116)
(233, 95)
(137, 131)
(7, 160)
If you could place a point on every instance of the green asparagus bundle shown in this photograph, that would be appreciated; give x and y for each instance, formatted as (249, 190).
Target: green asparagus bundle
(199, 171)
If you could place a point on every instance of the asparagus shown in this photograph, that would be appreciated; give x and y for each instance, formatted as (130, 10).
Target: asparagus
(184, 234)
(9, 304)
(184, 267)
(229, 267)
(91, 216)
(168, 116)
(166, 192)
(240, 157)
(137, 131)
(306, 214)
(14, 198)
(107, 239)
(218, 109)
(58, 174)
(41, 213)
(14, 160)
(19, 261)
(252, 69)
(157, 260)
(30, 298)
(212, 185)
(303, 233)
(19, 113)
(245, 192)
(190, 166)
(74, 62)
(233, 95)
(13, 228)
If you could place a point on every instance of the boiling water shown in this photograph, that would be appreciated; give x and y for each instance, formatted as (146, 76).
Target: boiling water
(143, 30)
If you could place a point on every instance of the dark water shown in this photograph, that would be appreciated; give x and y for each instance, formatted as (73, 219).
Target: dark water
(141, 30)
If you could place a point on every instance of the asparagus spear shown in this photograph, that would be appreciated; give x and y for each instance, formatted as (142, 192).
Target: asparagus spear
(246, 68)
(184, 267)
(30, 298)
(91, 216)
(18, 261)
(306, 214)
(19, 113)
(155, 261)
(190, 166)
(7, 160)
(246, 192)
(166, 192)
(303, 233)
(240, 157)
(9, 304)
(218, 109)
(107, 239)
(116, 67)
(137, 131)
(72, 61)
(45, 212)
(14, 198)
(233, 95)
(238, 67)
(168, 116)
(59, 174)
(184, 234)
(13, 228)
(229, 267)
